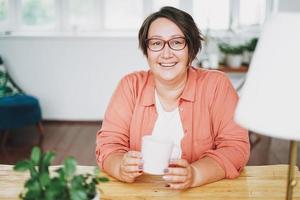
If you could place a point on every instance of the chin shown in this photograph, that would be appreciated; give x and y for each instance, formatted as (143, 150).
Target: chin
(168, 77)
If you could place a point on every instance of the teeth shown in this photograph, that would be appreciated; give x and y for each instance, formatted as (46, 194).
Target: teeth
(167, 64)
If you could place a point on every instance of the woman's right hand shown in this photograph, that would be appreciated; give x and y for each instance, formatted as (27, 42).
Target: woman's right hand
(131, 166)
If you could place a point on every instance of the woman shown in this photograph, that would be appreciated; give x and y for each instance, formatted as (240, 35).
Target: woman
(196, 105)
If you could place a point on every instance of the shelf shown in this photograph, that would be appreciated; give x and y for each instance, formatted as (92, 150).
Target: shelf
(242, 69)
(226, 69)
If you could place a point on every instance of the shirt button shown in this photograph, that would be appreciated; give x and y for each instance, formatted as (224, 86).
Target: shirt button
(185, 130)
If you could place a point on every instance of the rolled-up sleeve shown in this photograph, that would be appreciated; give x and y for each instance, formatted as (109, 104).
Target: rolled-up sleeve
(114, 133)
(231, 142)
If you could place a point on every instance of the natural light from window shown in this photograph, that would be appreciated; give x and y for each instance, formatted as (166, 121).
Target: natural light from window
(3, 11)
(157, 4)
(36, 14)
(123, 14)
(211, 14)
(82, 15)
(252, 12)
(124, 17)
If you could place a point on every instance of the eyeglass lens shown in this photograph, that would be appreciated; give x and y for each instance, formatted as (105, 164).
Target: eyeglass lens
(155, 44)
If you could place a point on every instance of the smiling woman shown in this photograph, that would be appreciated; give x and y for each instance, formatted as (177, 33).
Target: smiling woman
(165, 62)
(191, 108)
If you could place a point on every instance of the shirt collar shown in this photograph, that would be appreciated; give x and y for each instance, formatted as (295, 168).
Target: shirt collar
(188, 94)
(148, 97)
(189, 90)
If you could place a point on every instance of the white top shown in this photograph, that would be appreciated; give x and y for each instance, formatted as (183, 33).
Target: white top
(168, 126)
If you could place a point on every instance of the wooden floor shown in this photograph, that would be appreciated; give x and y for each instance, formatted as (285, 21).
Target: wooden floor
(77, 139)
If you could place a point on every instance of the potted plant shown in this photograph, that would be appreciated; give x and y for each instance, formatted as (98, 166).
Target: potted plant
(64, 184)
(6, 88)
(249, 49)
(233, 54)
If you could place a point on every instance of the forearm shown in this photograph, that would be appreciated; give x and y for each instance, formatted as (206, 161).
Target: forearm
(112, 164)
(206, 170)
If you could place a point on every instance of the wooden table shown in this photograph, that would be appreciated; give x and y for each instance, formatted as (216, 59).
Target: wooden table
(256, 182)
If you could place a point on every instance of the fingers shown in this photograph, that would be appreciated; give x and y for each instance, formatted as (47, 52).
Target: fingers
(131, 166)
(134, 154)
(178, 186)
(176, 175)
(179, 174)
(179, 163)
(175, 179)
(176, 171)
(132, 162)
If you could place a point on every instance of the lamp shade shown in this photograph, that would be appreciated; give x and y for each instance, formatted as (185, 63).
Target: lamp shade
(270, 99)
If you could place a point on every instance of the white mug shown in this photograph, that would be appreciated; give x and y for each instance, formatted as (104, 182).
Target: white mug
(156, 154)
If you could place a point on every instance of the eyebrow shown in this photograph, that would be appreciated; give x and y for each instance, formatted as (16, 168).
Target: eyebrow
(160, 37)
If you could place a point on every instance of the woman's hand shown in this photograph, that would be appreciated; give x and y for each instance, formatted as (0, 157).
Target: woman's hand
(179, 174)
(131, 166)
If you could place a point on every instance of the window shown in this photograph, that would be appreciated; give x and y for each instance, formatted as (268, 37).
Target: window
(123, 14)
(252, 12)
(212, 14)
(126, 16)
(82, 15)
(3, 12)
(38, 14)
(229, 14)
(157, 4)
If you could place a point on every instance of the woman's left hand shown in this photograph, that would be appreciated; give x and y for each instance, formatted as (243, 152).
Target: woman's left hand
(179, 174)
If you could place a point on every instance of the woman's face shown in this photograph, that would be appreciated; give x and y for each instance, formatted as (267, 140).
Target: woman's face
(167, 64)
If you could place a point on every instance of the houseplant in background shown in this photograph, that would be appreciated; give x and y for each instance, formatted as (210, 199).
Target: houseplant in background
(64, 184)
(249, 49)
(233, 54)
(5, 90)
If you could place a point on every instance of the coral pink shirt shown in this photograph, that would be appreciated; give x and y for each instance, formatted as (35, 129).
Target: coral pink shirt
(206, 106)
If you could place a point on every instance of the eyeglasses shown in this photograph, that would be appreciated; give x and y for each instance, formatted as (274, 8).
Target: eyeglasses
(155, 44)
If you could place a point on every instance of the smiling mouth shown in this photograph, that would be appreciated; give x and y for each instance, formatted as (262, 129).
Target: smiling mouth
(167, 64)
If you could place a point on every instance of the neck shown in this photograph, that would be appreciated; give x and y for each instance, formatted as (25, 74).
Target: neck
(169, 92)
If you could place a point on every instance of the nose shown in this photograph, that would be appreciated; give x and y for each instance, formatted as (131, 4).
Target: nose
(166, 52)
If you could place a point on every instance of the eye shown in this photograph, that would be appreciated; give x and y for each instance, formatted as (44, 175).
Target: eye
(155, 42)
(178, 41)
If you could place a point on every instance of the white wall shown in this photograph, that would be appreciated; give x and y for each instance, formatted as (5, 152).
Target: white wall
(73, 77)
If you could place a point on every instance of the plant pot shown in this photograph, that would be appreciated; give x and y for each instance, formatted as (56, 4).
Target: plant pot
(247, 56)
(234, 60)
(97, 196)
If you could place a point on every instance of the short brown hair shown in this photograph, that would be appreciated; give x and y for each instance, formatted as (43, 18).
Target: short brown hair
(185, 23)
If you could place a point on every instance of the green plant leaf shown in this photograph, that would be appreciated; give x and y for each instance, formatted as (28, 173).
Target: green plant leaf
(44, 179)
(56, 189)
(78, 181)
(90, 188)
(102, 179)
(70, 166)
(61, 174)
(231, 49)
(36, 155)
(47, 159)
(64, 185)
(34, 188)
(23, 165)
(96, 171)
(78, 194)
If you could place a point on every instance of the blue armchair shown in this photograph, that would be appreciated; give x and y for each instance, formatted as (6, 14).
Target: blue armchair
(16, 108)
